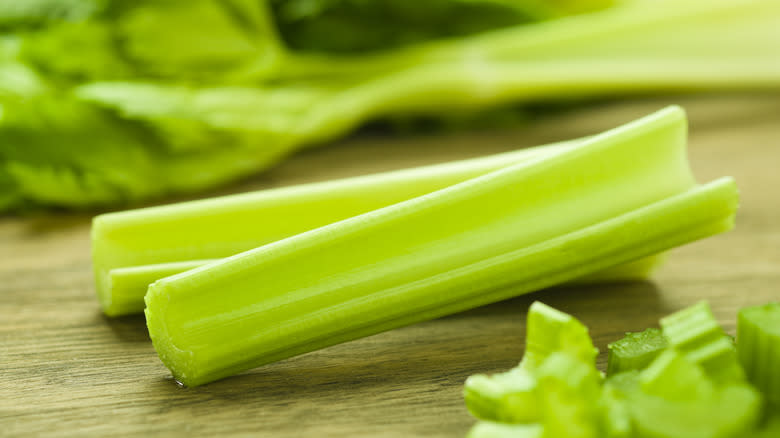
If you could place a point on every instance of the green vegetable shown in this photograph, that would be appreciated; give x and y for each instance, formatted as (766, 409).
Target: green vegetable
(513, 397)
(556, 386)
(177, 96)
(508, 397)
(678, 399)
(695, 332)
(489, 429)
(569, 391)
(673, 397)
(539, 223)
(758, 346)
(730, 412)
(133, 249)
(552, 331)
(635, 351)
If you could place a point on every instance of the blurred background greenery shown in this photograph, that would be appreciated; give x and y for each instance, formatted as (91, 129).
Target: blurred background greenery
(105, 103)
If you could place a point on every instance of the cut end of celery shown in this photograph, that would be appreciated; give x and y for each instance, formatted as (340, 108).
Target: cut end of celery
(758, 347)
(178, 361)
(508, 397)
(489, 429)
(695, 332)
(635, 351)
(551, 330)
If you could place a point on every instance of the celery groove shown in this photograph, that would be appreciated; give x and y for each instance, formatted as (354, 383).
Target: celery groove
(530, 225)
(132, 249)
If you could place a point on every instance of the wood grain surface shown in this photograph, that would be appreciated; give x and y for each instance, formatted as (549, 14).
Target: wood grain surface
(67, 370)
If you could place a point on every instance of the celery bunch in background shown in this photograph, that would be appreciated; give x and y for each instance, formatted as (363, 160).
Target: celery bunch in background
(106, 101)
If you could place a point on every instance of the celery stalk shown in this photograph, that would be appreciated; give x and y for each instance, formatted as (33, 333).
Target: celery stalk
(159, 236)
(521, 228)
(133, 249)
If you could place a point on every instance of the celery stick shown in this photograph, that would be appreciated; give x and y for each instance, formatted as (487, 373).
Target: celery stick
(512, 231)
(127, 284)
(635, 351)
(758, 347)
(162, 241)
(224, 226)
(695, 332)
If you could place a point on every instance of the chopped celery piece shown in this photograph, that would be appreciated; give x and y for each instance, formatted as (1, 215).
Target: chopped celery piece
(673, 377)
(512, 396)
(758, 347)
(521, 228)
(635, 351)
(695, 332)
(616, 416)
(729, 413)
(508, 397)
(549, 331)
(133, 249)
(489, 429)
(569, 393)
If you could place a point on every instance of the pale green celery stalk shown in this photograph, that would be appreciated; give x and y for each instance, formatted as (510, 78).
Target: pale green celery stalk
(133, 249)
(220, 227)
(521, 228)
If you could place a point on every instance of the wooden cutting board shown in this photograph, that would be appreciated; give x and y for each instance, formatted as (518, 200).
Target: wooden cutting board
(67, 370)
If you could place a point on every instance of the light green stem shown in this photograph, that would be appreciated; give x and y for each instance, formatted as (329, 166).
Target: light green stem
(528, 226)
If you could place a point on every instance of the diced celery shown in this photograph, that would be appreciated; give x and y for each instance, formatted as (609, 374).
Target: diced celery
(489, 429)
(521, 228)
(616, 415)
(512, 397)
(549, 331)
(695, 332)
(569, 394)
(506, 397)
(672, 376)
(729, 413)
(635, 351)
(758, 347)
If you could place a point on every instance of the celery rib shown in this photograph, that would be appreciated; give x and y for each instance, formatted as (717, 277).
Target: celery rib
(154, 238)
(133, 249)
(520, 228)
